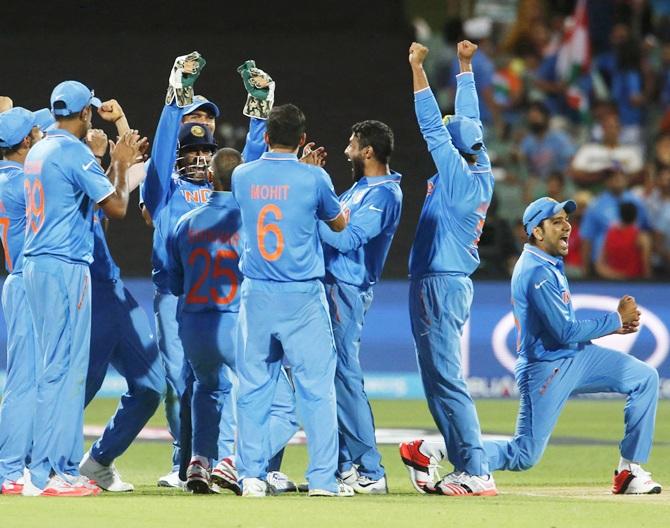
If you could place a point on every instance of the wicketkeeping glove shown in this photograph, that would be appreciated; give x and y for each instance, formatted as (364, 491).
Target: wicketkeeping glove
(260, 88)
(185, 71)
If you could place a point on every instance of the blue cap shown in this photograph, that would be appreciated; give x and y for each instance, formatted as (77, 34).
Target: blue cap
(44, 119)
(70, 97)
(544, 208)
(195, 135)
(466, 134)
(201, 102)
(15, 125)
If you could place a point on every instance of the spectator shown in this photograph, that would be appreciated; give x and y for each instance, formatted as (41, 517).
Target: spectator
(658, 204)
(497, 250)
(573, 261)
(592, 161)
(626, 252)
(543, 150)
(603, 213)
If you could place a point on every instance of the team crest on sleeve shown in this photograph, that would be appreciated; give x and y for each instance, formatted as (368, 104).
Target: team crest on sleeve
(566, 297)
(429, 188)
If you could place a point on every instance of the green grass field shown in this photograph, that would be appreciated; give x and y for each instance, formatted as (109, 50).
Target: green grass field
(569, 488)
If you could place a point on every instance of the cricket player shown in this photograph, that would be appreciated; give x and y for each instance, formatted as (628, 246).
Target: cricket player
(354, 259)
(19, 131)
(443, 256)
(283, 311)
(63, 183)
(557, 359)
(120, 336)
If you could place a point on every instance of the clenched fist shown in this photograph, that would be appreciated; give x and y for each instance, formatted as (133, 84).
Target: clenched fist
(465, 50)
(417, 54)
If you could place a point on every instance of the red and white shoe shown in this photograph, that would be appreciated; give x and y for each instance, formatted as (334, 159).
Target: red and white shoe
(463, 484)
(224, 475)
(197, 476)
(634, 481)
(422, 468)
(57, 486)
(12, 487)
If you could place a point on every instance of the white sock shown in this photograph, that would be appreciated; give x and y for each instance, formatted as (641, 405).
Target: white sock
(204, 462)
(625, 464)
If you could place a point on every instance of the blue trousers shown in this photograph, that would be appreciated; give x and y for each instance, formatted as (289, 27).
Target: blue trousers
(18, 400)
(121, 336)
(209, 340)
(172, 354)
(348, 306)
(277, 321)
(545, 387)
(59, 295)
(439, 306)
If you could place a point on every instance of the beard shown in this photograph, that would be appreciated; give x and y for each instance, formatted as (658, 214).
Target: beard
(357, 169)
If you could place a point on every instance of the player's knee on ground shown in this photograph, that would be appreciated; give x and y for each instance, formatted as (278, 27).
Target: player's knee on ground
(529, 454)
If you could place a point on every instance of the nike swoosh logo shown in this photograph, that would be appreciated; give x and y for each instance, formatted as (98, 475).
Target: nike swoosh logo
(376, 209)
(88, 165)
(537, 286)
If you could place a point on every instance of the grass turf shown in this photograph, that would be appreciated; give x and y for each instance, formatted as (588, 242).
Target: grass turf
(569, 488)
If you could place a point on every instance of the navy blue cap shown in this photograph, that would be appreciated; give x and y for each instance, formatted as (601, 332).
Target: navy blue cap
(15, 125)
(200, 102)
(544, 208)
(195, 135)
(466, 134)
(70, 97)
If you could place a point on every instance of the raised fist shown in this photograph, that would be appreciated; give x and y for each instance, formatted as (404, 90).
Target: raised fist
(417, 54)
(465, 50)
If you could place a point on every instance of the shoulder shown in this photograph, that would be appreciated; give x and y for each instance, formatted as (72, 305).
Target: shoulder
(387, 192)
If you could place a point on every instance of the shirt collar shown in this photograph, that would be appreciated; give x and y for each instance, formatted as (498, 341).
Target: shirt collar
(539, 254)
(8, 163)
(393, 177)
(280, 156)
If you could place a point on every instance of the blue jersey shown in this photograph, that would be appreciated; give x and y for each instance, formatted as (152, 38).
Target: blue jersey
(63, 183)
(545, 319)
(12, 214)
(204, 256)
(458, 196)
(357, 254)
(167, 196)
(281, 200)
(103, 267)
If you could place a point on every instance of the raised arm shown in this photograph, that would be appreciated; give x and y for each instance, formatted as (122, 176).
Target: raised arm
(466, 102)
(260, 99)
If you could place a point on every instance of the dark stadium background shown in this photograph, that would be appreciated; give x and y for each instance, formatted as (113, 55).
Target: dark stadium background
(340, 61)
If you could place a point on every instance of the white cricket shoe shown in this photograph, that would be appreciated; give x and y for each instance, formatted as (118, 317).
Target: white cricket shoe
(634, 481)
(343, 490)
(171, 480)
(367, 486)
(58, 486)
(29, 489)
(254, 487)
(224, 475)
(198, 479)
(106, 477)
(350, 476)
(280, 482)
(462, 484)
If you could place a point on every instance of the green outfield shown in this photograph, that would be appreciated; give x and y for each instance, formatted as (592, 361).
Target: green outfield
(569, 488)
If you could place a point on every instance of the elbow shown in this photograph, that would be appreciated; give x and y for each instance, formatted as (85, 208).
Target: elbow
(338, 224)
(116, 213)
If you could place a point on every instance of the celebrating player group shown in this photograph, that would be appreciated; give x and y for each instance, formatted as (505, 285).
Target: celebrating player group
(262, 280)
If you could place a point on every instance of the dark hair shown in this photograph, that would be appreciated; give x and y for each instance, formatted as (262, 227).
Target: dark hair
(540, 107)
(286, 125)
(377, 135)
(556, 175)
(627, 212)
(223, 163)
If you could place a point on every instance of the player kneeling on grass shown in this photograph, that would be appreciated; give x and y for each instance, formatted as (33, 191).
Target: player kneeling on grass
(557, 359)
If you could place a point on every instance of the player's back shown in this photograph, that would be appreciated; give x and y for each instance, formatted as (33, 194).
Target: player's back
(12, 214)
(63, 182)
(281, 200)
(205, 246)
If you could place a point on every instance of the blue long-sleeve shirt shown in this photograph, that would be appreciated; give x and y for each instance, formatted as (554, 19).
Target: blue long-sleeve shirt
(357, 254)
(546, 326)
(458, 196)
(12, 214)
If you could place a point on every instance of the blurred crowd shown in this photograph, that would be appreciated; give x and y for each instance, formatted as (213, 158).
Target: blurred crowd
(598, 133)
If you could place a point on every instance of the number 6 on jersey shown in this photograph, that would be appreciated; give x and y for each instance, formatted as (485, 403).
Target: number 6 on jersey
(263, 229)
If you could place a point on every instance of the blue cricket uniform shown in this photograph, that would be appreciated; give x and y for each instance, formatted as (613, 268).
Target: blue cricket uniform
(443, 256)
(283, 311)
(121, 336)
(63, 183)
(557, 359)
(354, 260)
(203, 267)
(20, 392)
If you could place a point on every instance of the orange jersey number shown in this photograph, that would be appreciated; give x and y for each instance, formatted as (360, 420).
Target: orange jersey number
(262, 230)
(194, 296)
(34, 204)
